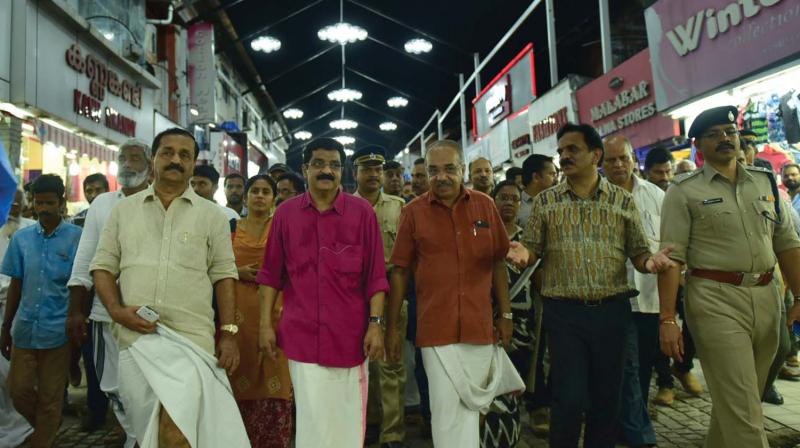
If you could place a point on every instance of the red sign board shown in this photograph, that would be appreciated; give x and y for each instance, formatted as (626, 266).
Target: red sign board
(622, 101)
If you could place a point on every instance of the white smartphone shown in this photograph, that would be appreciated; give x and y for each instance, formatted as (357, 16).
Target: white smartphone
(147, 313)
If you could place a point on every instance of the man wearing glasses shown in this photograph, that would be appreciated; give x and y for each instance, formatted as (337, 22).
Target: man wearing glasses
(727, 224)
(325, 252)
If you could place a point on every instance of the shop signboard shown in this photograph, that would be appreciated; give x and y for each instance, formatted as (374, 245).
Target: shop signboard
(698, 46)
(519, 137)
(202, 72)
(68, 74)
(508, 93)
(622, 101)
(549, 113)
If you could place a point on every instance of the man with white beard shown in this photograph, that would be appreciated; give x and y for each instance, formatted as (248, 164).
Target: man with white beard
(133, 174)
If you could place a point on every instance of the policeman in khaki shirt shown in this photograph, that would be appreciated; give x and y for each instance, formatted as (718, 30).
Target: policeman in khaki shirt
(728, 227)
(389, 388)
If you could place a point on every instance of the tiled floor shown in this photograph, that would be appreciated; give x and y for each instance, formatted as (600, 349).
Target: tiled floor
(681, 425)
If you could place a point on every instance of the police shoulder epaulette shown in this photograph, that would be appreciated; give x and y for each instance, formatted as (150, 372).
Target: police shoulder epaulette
(395, 198)
(760, 170)
(680, 178)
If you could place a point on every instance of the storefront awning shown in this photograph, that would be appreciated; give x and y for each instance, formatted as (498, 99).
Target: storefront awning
(72, 141)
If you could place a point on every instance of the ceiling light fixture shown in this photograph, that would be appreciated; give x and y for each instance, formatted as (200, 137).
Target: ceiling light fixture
(344, 95)
(302, 135)
(397, 101)
(343, 123)
(342, 33)
(348, 152)
(387, 126)
(418, 46)
(345, 139)
(194, 111)
(293, 113)
(267, 44)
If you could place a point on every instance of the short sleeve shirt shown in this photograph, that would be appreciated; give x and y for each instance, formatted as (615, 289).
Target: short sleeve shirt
(713, 223)
(452, 252)
(43, 263)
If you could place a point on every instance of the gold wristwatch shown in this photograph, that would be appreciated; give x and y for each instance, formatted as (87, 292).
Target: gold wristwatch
(230, 328)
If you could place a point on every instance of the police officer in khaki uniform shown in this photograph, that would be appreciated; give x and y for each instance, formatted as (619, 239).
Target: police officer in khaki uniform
(727, 225)
(387, 390)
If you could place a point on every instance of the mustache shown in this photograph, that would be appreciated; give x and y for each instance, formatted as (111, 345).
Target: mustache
(564, 162)
(443, 183)
(324, 176)
(725, 146)
(174, 166)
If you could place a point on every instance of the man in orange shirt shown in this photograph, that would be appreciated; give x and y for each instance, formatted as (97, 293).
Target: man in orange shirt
(455, 241)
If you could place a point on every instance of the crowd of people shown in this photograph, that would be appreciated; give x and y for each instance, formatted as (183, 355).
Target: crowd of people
(283, 317)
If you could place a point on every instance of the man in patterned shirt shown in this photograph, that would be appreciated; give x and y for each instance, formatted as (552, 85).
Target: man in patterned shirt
(584, 230)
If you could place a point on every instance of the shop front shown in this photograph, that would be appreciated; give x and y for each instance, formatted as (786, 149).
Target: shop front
(547, 115)
(622, 102)
(73, 99)
(500, 111)
(707, 53)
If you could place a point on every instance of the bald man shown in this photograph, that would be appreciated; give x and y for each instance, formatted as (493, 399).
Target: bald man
(642, 332)
(685, 166)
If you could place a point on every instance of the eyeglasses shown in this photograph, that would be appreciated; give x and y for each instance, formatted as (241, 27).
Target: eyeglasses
(449, 169)
(508, 198)
(321, 164)
(720, 133)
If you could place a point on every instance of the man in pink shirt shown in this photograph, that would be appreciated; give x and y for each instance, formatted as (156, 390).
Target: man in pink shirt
(325, 252)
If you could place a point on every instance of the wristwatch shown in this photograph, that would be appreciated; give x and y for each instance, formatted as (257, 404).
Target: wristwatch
(376, 320)
(230, 328)
(509, 316)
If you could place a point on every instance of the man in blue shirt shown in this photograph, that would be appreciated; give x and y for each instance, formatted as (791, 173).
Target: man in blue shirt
(39, 263)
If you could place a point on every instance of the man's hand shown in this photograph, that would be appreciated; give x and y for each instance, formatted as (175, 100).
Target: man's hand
(518, 255)
(267, 344)
(373, 342)
(5, 341)
(127, 317)
(393, 345)
(76, 328)
(228, 353)
(248, 272)
(671, 340)
(660, 261)
(503, 330)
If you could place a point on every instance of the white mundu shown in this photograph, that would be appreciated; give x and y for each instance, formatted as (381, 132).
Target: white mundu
(463, 380)
(166, 369)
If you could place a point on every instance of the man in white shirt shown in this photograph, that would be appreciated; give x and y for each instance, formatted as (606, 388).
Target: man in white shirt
(642, 341)
(205, 182)
(134, 164)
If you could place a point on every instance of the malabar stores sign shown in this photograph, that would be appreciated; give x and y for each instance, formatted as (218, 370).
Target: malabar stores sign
(103, 81)
(622, 101)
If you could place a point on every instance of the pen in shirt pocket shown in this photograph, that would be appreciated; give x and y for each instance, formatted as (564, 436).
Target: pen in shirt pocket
(479, 224)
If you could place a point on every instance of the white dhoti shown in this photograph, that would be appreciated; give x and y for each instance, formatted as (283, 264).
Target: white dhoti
(463, 380)
(166, 369)
(331, 405)
(106, 364)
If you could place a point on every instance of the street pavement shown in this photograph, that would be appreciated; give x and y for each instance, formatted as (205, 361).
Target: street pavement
(681, 425)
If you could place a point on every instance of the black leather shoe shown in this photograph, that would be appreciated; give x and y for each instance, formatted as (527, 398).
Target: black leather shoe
(772, 396)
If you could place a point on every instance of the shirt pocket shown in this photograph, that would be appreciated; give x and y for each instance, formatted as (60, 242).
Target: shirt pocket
(717, 218)
(61, 266)
(347, 262)
(191, 251)
(764, 216)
